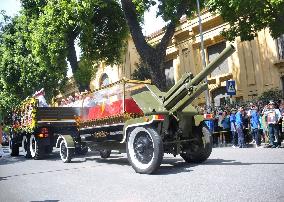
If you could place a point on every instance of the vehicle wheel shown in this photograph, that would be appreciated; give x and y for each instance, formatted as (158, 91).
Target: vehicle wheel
(203, 147)
(36, 149)
(66, 154)
(26, 147)
(14, 148)
(144, 150)
(105, 153)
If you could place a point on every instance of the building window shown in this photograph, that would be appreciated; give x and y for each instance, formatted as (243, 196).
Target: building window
(219, 96)
(213, 52)
(280, 43)
(104, 80)
(169, 72)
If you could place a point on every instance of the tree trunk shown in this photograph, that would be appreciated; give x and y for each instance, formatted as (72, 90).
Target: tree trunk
(153, 57)
(156, 65)
(72, 58)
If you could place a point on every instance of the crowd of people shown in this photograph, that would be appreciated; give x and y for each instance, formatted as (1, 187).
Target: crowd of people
(256, 123)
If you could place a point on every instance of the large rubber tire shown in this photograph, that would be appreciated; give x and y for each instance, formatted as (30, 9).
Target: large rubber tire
(202, 147)
(14, 148)
(37, 150)
(66, 154)
(26, 147)
(144, 150)
(105, 153)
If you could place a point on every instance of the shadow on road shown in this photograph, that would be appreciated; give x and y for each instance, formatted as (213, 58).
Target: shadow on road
(174, 166)
(46, 201)
(10, 160)
(168, 166)
(43, 172)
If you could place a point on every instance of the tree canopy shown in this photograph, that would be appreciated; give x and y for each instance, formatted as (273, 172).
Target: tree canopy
(37, 45)
(21, 74)
(97, 25)
(246, 18)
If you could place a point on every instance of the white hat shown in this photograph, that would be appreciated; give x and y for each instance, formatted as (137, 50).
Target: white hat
(271, 102)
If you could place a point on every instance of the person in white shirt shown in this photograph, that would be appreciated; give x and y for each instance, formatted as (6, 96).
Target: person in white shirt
(40, 96)
(272, 118)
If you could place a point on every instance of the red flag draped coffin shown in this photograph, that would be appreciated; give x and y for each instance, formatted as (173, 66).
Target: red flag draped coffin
(111, 104)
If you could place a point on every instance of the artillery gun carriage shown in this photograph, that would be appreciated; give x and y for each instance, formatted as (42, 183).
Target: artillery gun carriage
(138, 118)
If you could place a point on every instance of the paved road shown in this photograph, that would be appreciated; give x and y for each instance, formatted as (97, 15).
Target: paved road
(229, 175)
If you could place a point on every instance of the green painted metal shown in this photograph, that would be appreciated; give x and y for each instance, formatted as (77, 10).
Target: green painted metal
(149, 103)
(146, 120)
(181, 94)
(188, 98)
(227, 52)
(69, 141)
(183, 80)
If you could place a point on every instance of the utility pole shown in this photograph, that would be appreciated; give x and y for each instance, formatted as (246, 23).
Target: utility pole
(203, 52)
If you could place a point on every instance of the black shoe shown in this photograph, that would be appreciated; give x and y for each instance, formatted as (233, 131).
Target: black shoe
(273, 146)
(268, 146)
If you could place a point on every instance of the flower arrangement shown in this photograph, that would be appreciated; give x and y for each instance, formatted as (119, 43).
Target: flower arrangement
(24, 117)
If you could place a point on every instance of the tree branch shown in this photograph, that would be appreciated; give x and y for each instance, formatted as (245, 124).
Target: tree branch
(170, 30)
(142, 46)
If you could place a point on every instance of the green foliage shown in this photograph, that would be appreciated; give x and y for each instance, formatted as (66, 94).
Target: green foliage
(273, 94)
(142, 72)
(85, 72)
(99, 27)
(21, 73)
(246, 18)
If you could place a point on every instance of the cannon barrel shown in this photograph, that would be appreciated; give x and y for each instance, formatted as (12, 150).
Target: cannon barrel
(189, 98)
(227, 52)
(175, 96)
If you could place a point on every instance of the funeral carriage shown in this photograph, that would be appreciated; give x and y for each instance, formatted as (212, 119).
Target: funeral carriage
(137, 118)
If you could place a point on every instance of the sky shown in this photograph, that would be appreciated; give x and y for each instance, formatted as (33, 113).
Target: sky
(10, 6)
(151, 23)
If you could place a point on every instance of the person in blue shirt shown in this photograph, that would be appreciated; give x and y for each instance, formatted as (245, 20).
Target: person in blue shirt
(255, 125)
(240, 127)
(233, 128)
(225, 121)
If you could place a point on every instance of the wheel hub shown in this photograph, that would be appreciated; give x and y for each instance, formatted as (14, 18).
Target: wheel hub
(143, 148)
(140, 148)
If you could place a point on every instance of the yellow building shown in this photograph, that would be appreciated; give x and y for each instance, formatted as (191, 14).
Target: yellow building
(256, 66)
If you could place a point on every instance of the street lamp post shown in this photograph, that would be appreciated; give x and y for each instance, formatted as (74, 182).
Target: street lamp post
(202, 51)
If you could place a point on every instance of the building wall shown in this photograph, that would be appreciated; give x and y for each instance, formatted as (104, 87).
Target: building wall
(129, 63)
(255, 65)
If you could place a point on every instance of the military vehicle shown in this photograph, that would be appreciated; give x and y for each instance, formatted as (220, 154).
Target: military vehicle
(138, 118)
(36, 129)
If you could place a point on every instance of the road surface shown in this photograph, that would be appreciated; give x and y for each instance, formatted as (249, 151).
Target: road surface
(251, 174)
